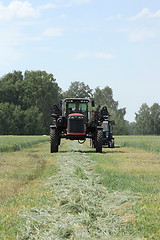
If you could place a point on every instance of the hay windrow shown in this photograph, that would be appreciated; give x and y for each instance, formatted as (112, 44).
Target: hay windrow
(82, 207)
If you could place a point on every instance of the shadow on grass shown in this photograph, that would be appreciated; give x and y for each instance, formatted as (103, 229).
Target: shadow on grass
(93, 150)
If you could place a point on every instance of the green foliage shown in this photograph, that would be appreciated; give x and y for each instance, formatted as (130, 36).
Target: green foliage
(148, 119)
(105, 97)
(78, 90)
(11, 119)
(27, 101)
(11, 88)
(33, 121)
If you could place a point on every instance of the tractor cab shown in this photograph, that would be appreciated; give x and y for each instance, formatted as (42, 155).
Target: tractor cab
(76, 114)
(76, 106)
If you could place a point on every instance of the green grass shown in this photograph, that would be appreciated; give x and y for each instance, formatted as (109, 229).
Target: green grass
(22, 177)
(79, 172)
(16, 143)
(135, 171)
(129, 171)
(147, 143)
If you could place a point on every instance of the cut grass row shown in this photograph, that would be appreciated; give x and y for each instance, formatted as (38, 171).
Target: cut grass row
(123, 170)
(16, 143)
(138, 172)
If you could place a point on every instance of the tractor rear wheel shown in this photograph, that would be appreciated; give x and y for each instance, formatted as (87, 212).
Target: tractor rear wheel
(98, 142)
(54, 140)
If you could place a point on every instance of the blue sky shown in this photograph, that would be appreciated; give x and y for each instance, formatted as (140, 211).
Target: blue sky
(99, 42)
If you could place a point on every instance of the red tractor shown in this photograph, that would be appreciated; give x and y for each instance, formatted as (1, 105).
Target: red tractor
(72, 120)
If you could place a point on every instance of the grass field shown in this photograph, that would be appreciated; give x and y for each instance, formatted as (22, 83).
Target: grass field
(147, 143)
(22, 176)
(136, 170)
(16, 143)
(80, 194)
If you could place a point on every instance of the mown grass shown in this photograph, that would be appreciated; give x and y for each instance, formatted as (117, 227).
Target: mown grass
(147, 143)
(136, 171)
(132, 171)
(22, 177)
(79, 172)
(16, 143)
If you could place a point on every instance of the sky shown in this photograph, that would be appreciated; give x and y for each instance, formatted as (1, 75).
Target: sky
(99, 42)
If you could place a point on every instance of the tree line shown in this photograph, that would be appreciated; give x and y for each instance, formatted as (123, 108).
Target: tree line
(27, 100)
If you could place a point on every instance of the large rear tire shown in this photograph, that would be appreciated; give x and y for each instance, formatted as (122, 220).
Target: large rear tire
(54, 140)
(98, 141)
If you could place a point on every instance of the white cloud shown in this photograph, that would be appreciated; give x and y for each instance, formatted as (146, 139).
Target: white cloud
(99, 55)
(145, 12)
(17, 9)
(141, 34)
(156, 14)
(142, 13)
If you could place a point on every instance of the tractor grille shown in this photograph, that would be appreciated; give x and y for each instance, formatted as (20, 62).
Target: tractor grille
(75, 124)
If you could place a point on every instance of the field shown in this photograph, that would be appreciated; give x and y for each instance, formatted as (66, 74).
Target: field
(80, 194)
(148, 143)
(16, 143)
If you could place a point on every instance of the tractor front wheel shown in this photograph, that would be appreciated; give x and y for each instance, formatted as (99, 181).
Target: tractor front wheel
(98, 142)
(54, 140)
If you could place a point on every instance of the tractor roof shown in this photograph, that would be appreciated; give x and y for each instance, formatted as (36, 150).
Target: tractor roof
(82, 100)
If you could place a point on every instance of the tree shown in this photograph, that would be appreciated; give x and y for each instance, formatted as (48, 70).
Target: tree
(11, 119)
(78, 90)
(131, 128)
(19, 93)
(143, 120)
(11, 88)
(155, 118)
(34, 124)
(41, 91)
(104, 97)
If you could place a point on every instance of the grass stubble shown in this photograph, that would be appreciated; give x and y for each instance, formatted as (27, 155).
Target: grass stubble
(82, 208)
(22, 176)
(138, 171)
(80, 194)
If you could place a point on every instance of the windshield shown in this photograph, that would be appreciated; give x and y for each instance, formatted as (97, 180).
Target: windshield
(77, 107)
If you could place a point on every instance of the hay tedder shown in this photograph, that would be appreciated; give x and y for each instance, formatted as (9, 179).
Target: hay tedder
(73, 120)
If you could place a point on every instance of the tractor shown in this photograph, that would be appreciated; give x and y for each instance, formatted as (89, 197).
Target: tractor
(71, 119)
(107, 139)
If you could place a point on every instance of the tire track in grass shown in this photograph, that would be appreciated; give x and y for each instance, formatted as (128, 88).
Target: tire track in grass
(82, 206)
